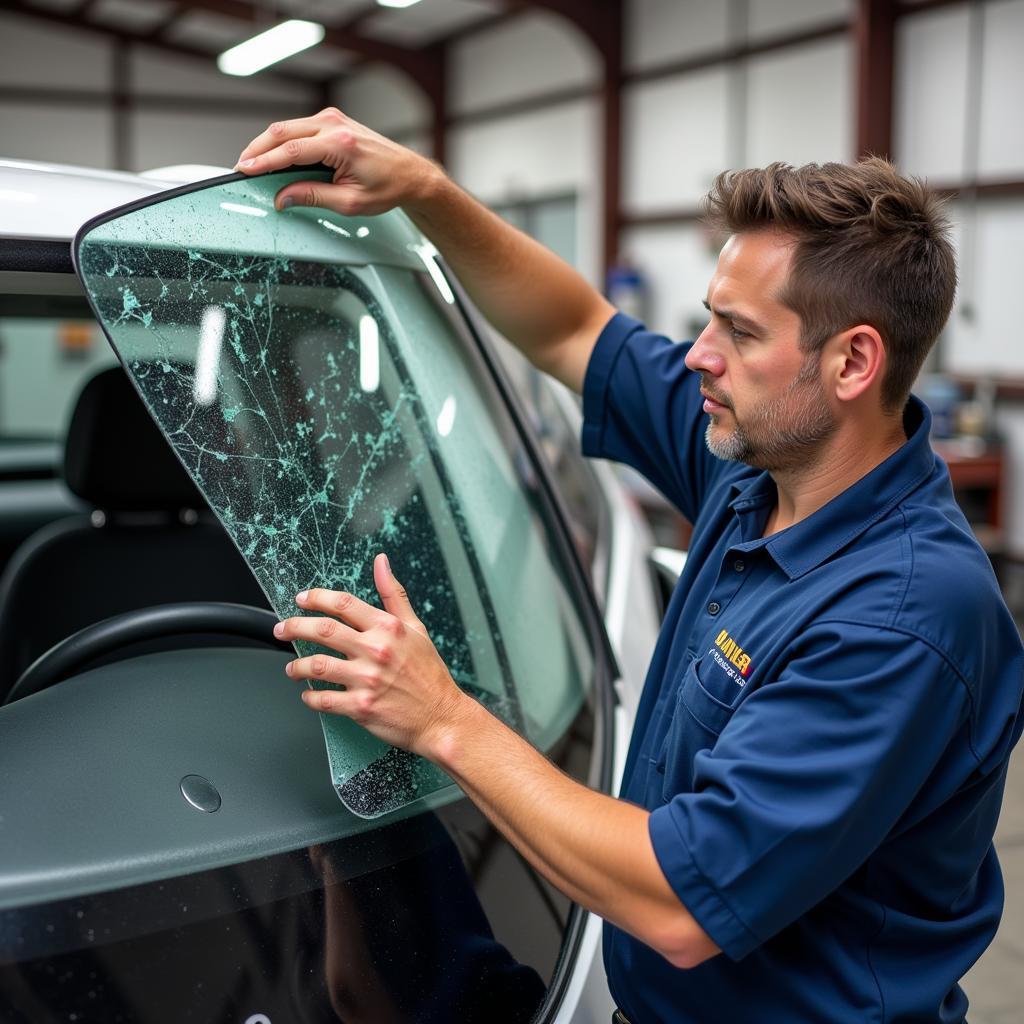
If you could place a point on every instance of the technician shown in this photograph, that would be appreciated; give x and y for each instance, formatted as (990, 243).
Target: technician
(805, 829)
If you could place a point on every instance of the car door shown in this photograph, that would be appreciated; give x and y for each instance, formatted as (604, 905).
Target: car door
(320, 381)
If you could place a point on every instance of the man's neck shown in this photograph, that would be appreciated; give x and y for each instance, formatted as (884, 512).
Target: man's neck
(846, 458)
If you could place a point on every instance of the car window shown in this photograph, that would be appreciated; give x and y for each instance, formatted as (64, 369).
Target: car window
(555, 416)
(311, 375)
(49, 346)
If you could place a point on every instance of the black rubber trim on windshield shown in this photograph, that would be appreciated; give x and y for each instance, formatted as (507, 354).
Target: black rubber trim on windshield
(37, 255)
(605, 664)
(172, 193)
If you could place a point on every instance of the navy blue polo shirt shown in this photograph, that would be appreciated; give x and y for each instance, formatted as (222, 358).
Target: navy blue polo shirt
(823, 735)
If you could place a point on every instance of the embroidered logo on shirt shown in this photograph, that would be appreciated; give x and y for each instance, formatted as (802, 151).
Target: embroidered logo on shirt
(734, 653)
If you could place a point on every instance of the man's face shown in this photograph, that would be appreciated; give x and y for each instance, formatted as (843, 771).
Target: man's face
(766, 399)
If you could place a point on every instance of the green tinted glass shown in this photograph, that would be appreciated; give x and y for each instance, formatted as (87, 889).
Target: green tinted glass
(309, 373)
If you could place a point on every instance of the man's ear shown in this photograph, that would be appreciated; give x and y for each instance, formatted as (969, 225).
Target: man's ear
(858, 357)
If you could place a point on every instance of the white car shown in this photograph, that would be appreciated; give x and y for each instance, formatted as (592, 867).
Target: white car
(180, 838)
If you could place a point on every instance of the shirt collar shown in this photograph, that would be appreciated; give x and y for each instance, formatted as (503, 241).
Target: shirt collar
(805, 545)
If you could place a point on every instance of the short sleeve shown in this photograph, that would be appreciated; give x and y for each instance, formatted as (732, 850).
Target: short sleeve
(642, 406)
(808, 778)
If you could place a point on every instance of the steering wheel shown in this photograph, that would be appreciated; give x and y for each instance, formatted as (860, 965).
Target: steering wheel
(101, 638)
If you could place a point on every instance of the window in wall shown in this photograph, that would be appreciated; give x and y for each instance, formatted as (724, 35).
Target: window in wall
(551, 220)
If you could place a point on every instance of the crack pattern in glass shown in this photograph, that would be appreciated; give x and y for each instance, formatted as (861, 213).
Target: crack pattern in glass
(286, 392)
(311, 481)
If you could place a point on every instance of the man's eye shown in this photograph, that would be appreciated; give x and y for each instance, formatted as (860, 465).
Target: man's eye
(737, 333)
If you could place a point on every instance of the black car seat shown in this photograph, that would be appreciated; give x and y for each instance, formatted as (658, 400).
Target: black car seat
(151, 540)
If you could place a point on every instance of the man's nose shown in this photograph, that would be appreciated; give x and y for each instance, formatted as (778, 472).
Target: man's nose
(704, 356)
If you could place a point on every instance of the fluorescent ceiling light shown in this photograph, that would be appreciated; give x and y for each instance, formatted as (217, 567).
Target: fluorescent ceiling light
(284, 40)
(397, 3)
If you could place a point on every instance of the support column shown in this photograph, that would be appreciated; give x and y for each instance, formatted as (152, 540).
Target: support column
(874, 35)
(611, 121)
(121, 106)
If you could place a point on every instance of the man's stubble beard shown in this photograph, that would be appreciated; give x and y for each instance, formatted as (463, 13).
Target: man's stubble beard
(784, 434)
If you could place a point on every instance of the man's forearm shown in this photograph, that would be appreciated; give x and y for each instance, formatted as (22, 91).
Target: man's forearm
(592, 847)
(595, 849)
(530, 295)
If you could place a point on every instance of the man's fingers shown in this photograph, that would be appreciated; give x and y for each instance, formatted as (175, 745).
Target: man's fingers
(342, 605)
(359, 705)
(314, 149)
(320, 668)
(328, 632)
(332, 702)
(344, 199)
(277, 133)
(393, 594)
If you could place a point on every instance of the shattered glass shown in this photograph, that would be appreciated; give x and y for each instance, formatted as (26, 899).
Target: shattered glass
(309, 373)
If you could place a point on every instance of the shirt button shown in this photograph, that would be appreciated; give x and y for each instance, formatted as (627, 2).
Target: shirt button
(714, 608)
(739, 565)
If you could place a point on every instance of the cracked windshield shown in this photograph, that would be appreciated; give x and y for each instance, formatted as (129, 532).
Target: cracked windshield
(312, 375)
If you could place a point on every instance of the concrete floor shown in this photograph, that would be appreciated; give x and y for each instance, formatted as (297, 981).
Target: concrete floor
(995, 985)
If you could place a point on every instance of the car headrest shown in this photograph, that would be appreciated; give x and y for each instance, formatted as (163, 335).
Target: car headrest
(116, 457)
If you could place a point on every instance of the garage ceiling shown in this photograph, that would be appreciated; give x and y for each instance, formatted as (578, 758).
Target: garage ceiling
(357, 30)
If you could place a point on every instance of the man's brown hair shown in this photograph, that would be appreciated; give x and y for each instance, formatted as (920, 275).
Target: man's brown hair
(872, 247)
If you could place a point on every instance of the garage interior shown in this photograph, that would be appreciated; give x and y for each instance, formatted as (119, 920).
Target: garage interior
(596, 126)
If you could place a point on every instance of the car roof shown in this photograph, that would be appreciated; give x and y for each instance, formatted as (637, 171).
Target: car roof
(52, 201)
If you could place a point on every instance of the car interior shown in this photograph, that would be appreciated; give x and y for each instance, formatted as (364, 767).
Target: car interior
(171, 796)
(146, 514)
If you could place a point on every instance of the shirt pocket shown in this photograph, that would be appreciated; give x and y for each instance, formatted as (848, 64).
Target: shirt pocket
(700, 713)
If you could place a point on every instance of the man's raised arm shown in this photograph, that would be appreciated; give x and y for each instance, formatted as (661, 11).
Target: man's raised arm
(536, 300)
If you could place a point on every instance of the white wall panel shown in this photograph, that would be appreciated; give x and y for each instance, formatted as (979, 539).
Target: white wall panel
(675, 139)
(800, 105)
(531, 56)
(662, 31)
(988, 342)
(164, 74)
(40, 54)
(1001, 145)
(160, 138)
(538, 154)
(929, 88)
(384, 99)
(768, 18)
(62, 135)
(677, 262)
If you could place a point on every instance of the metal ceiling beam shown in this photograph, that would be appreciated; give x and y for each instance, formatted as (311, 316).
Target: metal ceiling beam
(158, 30)
(355, 20)
(601, 22)
(425, 66)
(71, 20)
(406, 58)
(596, 19)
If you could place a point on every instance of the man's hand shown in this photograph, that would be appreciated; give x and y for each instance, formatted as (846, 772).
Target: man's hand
(396, 684)
(597, 850)
(372, 174)
(530, 296)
